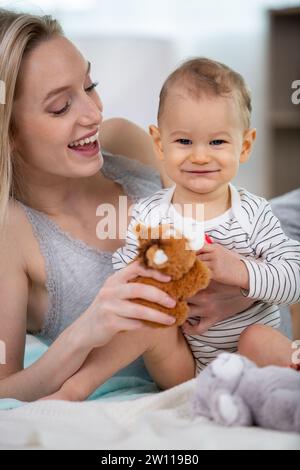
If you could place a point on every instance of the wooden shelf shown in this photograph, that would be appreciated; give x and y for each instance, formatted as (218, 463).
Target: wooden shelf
(284, 115)
(285, 119)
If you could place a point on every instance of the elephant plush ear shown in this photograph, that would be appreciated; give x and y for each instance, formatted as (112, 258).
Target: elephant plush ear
(228, 367)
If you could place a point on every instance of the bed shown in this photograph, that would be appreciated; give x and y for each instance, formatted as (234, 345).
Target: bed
(146, 420)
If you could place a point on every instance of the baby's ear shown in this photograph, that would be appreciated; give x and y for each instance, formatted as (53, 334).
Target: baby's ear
(156, 137)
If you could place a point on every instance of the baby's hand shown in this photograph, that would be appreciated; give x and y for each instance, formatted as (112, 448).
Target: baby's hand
(226, 266)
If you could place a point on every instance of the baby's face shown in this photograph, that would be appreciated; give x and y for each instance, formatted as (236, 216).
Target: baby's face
(202, 140)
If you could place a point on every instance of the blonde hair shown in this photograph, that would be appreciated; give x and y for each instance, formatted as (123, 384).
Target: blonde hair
(202, 75)
(20, 33)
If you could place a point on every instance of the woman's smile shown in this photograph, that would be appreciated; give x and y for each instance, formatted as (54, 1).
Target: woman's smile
(87, 146)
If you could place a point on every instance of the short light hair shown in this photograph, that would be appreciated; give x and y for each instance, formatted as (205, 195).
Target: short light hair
(200, 76)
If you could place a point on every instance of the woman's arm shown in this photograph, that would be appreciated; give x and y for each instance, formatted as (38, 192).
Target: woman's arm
(110, 313)
(167, 357)
(48, 373)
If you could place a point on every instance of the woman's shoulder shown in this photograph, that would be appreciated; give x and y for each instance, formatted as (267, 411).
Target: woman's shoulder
(16, 235)
(16, 218)
(13, 265)
(138, 179)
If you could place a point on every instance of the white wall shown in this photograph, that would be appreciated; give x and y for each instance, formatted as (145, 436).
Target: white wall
(134, 44)
(132, 70)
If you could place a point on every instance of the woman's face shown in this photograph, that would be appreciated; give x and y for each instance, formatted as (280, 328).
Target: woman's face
(57, 104)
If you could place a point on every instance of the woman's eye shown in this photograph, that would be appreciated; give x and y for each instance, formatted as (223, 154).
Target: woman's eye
(91, 87)
(184, 141)
(68, 104)
(62, 110)
(217, 142)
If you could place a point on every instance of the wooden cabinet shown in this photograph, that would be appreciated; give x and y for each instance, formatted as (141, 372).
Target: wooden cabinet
(284, 115)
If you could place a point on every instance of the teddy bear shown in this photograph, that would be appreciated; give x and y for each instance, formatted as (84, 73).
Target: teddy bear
(233, 391)
(165, 249)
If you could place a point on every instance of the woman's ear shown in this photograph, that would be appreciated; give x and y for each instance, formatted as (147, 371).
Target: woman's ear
(248, 141)
(155, 134)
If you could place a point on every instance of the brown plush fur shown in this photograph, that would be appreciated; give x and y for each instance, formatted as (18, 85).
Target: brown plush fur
(189, 275)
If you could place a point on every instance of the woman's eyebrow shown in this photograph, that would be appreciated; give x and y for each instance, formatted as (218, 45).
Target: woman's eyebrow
(63, 88)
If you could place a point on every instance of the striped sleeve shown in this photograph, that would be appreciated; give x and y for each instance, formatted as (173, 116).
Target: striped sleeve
(127, 253)
(274, 276)
(146, 210)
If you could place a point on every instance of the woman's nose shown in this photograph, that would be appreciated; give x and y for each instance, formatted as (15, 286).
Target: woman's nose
(90, 112)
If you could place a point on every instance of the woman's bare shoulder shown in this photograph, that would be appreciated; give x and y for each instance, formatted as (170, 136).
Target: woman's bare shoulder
(17, 219)
(16, 234)
(120, 136)
(123, 137)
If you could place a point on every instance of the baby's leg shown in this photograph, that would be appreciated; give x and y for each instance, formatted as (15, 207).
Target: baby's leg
(166, 354)
(169, 359)
(265, 346)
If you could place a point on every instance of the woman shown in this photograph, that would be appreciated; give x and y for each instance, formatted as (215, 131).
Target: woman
(55, 274)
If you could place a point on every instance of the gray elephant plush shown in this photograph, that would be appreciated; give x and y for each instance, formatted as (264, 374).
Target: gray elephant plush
(233, 391)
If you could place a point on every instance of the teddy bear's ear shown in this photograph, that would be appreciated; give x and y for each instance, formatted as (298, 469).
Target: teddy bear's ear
(170, 231)
(141, 231)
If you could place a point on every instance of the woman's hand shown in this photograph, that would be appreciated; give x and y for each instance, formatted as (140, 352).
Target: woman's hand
(112, 311)
(214, 304)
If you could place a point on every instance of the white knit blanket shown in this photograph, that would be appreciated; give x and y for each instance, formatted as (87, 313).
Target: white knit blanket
(158, 421)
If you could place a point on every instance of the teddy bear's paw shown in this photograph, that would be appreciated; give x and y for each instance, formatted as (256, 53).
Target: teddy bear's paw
(228, 367)
(230, 410)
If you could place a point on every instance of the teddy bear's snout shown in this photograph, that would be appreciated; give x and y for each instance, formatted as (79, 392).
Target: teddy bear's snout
(156, 257)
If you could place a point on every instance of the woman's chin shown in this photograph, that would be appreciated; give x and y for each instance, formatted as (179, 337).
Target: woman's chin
(86, 165)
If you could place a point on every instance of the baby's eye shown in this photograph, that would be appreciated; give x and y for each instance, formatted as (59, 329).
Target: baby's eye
(184, 141)
(217, 142)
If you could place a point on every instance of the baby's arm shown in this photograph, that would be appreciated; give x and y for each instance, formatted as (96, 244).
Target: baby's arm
(166, 354)
(127, 253)
(272, 275)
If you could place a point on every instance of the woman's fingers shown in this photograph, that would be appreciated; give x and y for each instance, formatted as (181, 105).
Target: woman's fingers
(136, 269)
(128, 324)
(135, 290)
(131, 310)
(204, 257)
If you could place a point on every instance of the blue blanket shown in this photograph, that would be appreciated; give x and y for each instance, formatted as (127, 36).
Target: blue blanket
(129, 383)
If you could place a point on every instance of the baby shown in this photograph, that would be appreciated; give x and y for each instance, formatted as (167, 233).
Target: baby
(203, 135)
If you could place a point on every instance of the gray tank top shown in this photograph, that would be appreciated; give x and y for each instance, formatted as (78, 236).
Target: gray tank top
(75, 271)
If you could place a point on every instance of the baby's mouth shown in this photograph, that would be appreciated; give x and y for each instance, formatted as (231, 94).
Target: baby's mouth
(201, 171)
